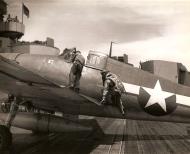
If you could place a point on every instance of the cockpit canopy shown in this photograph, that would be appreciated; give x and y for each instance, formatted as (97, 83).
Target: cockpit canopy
(96, 60)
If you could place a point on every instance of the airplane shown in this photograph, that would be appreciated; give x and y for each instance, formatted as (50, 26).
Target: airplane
(158, 91)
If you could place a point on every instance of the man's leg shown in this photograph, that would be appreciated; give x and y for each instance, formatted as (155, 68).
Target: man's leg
(77, 77)
(121, 107)
(72, 76)
(71, 79)
(119, 103)
(13, 111)
(77, 82)
(109, 100)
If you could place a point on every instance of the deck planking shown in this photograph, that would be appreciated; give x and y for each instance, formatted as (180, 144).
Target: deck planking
(111, 136)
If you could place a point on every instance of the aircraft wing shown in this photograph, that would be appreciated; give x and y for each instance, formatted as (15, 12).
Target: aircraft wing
(19, 81)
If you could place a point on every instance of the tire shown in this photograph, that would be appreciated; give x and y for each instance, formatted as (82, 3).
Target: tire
(5, 138)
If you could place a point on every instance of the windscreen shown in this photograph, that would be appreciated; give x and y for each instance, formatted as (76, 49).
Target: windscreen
(96, 60)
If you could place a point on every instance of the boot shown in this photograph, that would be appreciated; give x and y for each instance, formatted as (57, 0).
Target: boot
(122, 107)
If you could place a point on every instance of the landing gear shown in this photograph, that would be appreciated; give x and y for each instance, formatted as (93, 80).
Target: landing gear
(6, 104)
(13, 111)
(5, 138)
(5, 134)
(5, 107)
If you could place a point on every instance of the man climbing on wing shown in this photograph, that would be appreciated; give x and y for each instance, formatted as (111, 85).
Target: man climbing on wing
(113, 89)
(75, 74)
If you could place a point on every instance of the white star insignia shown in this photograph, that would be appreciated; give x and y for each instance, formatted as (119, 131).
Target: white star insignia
(157, 95)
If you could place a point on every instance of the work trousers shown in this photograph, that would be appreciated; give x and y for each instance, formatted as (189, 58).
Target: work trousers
(114, 98)
(75, 74)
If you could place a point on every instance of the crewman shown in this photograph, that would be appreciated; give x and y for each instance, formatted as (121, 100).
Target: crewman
(16, 19)
(9, 18)
(113, 89)
(76, 70)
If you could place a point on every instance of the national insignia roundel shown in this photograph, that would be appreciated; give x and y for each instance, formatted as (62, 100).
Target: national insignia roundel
(156, 101)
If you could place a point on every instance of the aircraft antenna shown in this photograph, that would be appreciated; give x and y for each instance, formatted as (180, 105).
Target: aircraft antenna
(110, 53)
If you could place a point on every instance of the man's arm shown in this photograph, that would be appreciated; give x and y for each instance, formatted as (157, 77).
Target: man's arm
(105, 91)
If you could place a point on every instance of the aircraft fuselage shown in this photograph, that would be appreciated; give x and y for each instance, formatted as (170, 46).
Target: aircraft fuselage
(148, 97)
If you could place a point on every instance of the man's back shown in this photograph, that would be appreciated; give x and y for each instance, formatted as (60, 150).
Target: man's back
(80, 59)
(118, 85)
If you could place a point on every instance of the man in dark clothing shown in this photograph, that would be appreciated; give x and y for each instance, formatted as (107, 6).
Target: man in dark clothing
(75, 74)
(113, 89)
(9, 18)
